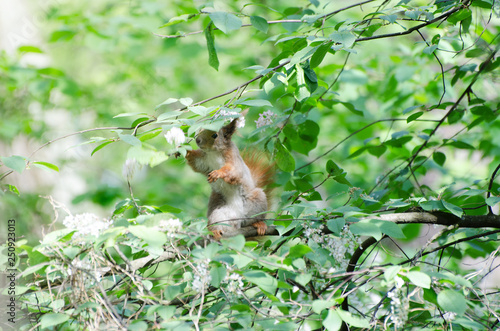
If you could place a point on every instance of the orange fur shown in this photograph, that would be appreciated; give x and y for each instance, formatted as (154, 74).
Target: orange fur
(261, 168)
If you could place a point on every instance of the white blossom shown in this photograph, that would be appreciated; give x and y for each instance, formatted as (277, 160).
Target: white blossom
(175, 136)
(170, 226)
(234, 283)
(265, 118)
(129, 168)
(86, 224)
(201, 276)
(341, 248)
(449, 316)
(240, 121)
(399, 303)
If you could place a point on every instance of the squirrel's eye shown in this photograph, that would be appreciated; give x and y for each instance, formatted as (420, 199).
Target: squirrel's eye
(214, 135)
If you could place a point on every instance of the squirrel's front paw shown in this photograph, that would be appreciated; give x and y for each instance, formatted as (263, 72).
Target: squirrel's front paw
(261, 227)
(217, 234)
(214, 175)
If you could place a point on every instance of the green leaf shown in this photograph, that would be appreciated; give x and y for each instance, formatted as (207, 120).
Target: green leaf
(254, 103)
(319, 305)
(455, 210)
(409, 109)
(177, 19)
(332, 321)
(146, 156)
(453, 301)
(62, 35)
(460, 16)
(13, 189)
(101, 146)
(420, 279)
(302, 92)
(333, 169)
(391, 229)
(377, 150)
(52, 72)
(259, 23)
(353, 109)
(150, 134)
(137, 325)
(358, 152)
(342, 180)
(430, 49)
(284, 159)
(303, 55)
(128, 114)
(391, 272)
(320, 54)
(150, 236)
(432, 205)
(46, 165)
(51, 319)
(262, 280)
(226, 22)
(439, 158)
(186, 101)
(299, 251)
(237, 242)
(336, 225)
(71, 252)
(491, 201)
(167, 115)
(414, 116)
(218, 274)
(129, 139)
(366, 229)
(29, 49)
(461, 145)
(345, 38)
(15, 162)
(303, 279)
(170, 209)
(476, 52)
(353, 320)
(213, 60)
(166, 102)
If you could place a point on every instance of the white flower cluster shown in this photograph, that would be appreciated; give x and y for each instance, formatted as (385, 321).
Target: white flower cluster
(170, 226)
(201, 276)
(234, 283)
(449, 316)
(175, 136)
(86, 224)
(399, 303)
(340, 247)
(241, 120)
(129, 168)
(266, 118)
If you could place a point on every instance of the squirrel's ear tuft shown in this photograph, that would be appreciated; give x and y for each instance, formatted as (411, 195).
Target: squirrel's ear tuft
(230, 129)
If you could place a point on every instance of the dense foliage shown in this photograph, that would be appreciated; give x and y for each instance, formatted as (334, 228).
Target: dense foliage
(381, 117)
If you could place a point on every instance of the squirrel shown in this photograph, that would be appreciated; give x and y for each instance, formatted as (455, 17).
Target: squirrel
(239, 184)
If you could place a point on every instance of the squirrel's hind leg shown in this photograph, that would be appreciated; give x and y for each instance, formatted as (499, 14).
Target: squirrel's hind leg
(223, 216)
(256, 204)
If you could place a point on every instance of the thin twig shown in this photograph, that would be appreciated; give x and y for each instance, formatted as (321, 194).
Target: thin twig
(322, 17)
(490, 187)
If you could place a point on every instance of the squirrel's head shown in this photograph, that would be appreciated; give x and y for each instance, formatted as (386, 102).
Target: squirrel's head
(212, 140)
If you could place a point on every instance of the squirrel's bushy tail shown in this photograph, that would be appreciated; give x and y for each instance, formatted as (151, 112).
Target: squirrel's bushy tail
(261, 168)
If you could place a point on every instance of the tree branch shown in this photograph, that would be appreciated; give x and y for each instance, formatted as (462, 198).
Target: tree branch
(322, 17)
(436, 217)
(412, 29)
